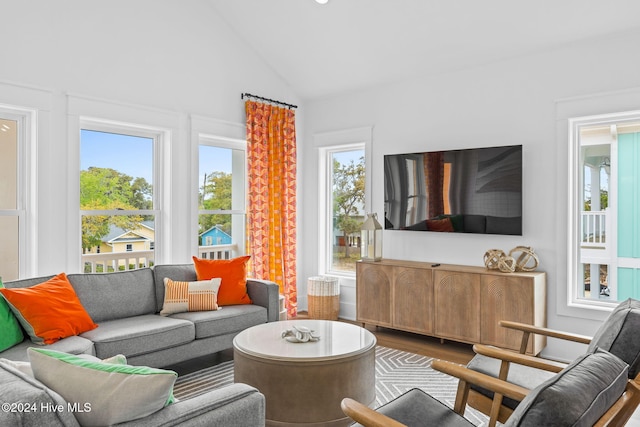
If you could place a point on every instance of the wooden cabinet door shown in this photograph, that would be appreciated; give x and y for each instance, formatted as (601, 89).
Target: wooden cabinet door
(373, 293)
(413, 299)
(514, 298)
(457, 305)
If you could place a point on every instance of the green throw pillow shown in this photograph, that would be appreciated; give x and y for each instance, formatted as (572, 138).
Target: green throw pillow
(103, 393)
(11, 330)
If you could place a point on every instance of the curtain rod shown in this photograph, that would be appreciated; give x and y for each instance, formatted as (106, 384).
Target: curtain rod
(248, 95)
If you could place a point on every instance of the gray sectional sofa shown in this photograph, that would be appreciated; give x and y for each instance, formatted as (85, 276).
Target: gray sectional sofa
(125, 305)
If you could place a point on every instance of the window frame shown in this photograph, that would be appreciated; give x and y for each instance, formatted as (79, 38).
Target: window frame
(232, 144)
(328, 143)
(207, 128)
(569, 111)
(26, 134)
(123, 128)
(576, 124)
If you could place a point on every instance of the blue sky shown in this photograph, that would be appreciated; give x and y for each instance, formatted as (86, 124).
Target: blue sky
(133, 155)
(128, 154)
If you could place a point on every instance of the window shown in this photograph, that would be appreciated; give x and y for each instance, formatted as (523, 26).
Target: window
(11, 210)
(343, 199)
(117, 198)
(345, 206)
(221, 197)
(604, 205)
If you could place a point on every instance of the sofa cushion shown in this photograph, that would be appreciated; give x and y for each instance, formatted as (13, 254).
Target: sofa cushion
(49, 311)
(11, 330)
(132, 336)
(180, 296)
(230, 319)
(182, 272)
(103, 393)
(73, 345)
(619, 334)
(18, 387)
(233, 272)
(116, 295)
(577, 396)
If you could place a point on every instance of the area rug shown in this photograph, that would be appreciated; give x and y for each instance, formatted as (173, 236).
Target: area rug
(396, 372)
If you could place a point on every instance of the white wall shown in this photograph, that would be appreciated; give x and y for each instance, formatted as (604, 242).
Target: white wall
(511, 102)
(174, 57)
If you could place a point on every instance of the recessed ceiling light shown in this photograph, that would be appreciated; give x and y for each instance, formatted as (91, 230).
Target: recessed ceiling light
(322, 1)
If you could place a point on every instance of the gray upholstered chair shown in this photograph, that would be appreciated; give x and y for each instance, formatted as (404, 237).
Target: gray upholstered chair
(593, 390)
(618, 335)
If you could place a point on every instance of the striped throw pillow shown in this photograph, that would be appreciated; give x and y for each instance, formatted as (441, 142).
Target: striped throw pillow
(190, 296)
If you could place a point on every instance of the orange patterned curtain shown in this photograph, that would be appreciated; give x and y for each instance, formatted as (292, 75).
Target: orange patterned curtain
(271, 218)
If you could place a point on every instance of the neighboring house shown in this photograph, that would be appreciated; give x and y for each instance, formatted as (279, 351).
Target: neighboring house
(121, 240)
(214, 236)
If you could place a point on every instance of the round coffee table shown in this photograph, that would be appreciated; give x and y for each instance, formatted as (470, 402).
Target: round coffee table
(304, 383)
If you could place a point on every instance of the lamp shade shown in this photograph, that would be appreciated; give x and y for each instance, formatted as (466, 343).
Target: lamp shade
(371, 235)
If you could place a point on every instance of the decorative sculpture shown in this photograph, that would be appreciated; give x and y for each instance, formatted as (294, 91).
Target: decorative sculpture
(298, 334)
(527, 261)
(492, 258)
(496, 259)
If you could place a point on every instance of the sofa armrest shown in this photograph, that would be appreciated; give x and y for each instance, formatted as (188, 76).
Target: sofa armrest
(235, 404)
(266, 294)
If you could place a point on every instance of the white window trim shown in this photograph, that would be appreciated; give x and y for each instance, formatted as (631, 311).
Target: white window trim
(25, 203)
(570, 114)
(98, 114)
(217, 133)
(328, 143)
(32, 106)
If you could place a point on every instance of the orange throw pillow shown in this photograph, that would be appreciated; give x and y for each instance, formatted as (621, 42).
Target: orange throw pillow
(49, 311)
(233, 272)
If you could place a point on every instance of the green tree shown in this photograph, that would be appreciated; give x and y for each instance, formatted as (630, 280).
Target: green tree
(348, 196)
(215, 194)
(108, 189)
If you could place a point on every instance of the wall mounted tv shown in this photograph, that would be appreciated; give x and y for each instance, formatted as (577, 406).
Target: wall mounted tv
(476, 190)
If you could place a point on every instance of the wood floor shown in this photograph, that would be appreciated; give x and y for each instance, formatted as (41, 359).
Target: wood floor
(419, 344)
(414, 343)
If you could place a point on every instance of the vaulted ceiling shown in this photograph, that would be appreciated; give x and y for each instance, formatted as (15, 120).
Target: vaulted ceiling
(346, 45)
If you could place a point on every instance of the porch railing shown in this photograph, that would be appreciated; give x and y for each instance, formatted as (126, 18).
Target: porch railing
(218, 251)
(121, 261)
(594, 228)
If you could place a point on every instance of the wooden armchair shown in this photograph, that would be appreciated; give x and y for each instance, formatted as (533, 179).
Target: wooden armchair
(593, 390)
(618, 335)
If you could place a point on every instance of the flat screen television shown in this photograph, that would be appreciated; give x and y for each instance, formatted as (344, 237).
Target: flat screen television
(477, 190)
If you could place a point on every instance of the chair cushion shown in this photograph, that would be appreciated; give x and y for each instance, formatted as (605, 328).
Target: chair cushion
(619, 334)
(577, 396)
(417, 408)
(521, 375)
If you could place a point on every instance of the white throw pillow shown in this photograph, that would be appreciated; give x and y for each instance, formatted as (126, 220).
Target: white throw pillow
(103, 393)
(180, 297)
